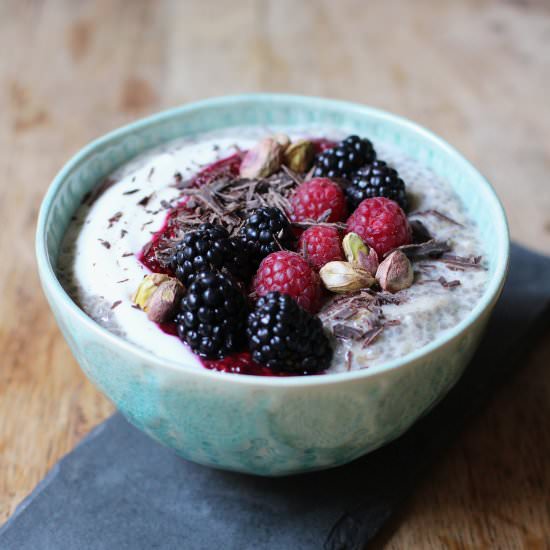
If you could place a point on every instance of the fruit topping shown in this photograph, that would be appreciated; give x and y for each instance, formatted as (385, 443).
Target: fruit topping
(242, 215)
(212, 315)
(377, 180)
(266, 230)
(285, 337)
(343, 160)
(320, 244)
(381, 223)
(319, 199)
(291, 274)
(209, 248)
(241, 363)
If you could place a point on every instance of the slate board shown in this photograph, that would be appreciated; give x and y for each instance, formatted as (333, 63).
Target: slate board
(120, 490)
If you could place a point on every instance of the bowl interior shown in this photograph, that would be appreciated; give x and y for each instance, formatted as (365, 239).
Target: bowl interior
(104, 155)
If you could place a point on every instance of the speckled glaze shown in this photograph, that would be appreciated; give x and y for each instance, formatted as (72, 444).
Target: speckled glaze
(262, 425)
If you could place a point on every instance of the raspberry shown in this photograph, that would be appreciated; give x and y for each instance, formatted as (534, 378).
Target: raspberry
(284, 337)
(314, 198)
(381, 223)
(321, 244)
(289, 273)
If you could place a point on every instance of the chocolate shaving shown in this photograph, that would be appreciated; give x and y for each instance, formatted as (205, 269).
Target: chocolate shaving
(448, 284)
(428, 249)
(304, 224)
(442, 281)
(106, 244)
(150, 174)
(225, 201)
(392, 323)
(145, 200)
(345, 313)
(425, 268)
(114, 219)
(127, 254)
(437, 214)
(424, 281)
(116, 304)
(146, 224)
(345, 332)
(123, 233)
(384, 298)
(292, 175)
(461, 263)
(130, 192)
(123, 281)
(354, 301)
(371, 335)
(206, 195)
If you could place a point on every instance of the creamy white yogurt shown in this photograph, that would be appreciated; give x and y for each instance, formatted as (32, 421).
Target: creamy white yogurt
(98, 264)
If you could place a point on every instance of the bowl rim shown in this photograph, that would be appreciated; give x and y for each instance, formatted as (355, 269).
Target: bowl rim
(55, 290)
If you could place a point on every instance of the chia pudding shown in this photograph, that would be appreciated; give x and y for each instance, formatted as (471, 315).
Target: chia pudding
(392, 263)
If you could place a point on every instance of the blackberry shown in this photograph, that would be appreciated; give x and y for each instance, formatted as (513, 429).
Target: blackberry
(344, 159)
(285, 337)
(209, 248)
(377, 180)
(264, 230)
(212, 315)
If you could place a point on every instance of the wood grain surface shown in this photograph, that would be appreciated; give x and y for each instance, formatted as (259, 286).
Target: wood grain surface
(476, 72)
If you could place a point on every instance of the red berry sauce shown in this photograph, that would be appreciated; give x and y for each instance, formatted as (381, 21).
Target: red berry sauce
(241, 363)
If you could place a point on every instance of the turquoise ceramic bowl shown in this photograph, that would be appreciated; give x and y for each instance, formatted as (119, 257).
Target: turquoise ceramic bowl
(268, 426)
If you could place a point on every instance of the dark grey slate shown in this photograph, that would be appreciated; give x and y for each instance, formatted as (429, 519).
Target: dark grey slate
(120, 490)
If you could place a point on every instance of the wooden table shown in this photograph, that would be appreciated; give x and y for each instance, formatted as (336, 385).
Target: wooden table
(476, 72)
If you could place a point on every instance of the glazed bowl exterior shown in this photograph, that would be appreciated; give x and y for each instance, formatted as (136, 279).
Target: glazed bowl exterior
(262, 425)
